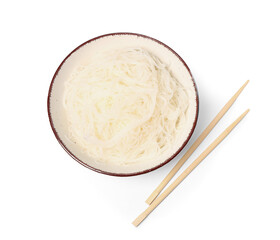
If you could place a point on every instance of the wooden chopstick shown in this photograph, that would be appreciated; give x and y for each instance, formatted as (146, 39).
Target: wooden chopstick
(198, 141)
(195, 163)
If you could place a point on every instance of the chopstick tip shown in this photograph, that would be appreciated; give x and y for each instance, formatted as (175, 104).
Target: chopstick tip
(246, 82)
(245, 113)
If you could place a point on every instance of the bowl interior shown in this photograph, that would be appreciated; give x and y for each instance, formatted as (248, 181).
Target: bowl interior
(82, 54)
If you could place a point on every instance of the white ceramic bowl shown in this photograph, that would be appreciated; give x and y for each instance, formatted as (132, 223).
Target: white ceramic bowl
(112, 41)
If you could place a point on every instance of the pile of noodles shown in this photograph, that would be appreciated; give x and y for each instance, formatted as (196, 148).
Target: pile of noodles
(125, 107)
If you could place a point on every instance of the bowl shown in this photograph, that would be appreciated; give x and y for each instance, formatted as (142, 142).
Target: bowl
(57, 116)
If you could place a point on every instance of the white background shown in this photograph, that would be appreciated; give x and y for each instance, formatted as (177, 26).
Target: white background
(233, 194)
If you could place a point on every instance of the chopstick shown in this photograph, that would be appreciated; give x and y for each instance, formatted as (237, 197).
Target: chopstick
(194, 164)
(195, 145)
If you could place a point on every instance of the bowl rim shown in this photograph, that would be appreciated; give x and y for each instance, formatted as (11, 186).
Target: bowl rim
(112, 173)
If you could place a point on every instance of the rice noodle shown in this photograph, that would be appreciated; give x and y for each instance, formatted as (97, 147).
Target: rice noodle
(124, 106)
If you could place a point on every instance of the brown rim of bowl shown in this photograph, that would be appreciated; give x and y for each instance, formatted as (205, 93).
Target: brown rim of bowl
(111, 173)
